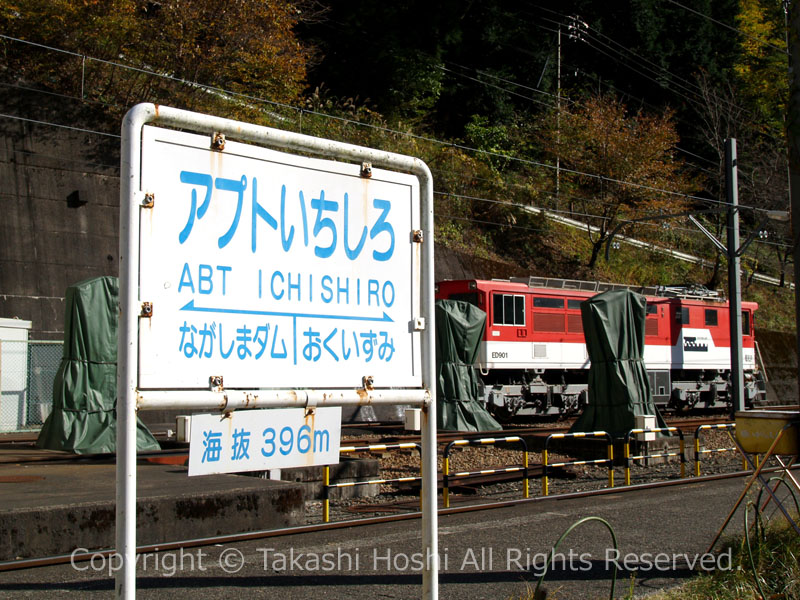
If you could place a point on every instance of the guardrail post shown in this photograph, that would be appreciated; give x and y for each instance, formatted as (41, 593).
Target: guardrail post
(610, 455)
(371, 448)
(545, 489)
(480, 442)
(525, 480)
(629, 458)
(627, 451)
(683, 453)
(326, 501)
(561, 436)
(445, 478)
(698, 451)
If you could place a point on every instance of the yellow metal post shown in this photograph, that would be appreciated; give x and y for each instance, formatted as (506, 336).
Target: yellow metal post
(525, 483)
(697, 456)
(683, 457)
(545, 489)
(445, 483)
(326, 503)
(627, 462)
(611, 463)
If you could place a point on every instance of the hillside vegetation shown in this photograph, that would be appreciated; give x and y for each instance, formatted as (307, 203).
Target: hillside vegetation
(516, 111)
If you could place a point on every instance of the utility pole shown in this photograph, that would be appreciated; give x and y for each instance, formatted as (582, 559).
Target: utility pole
(558, 122)
(793, 138)
(733, 251)
(734, 272)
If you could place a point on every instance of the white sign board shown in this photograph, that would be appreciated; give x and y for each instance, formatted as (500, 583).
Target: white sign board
(258, 440)
(274, 270)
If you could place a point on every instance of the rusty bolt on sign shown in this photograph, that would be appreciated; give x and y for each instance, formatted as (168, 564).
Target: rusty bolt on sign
(218, 141)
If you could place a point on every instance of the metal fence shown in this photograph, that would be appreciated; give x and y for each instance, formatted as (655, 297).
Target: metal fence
(27, 371)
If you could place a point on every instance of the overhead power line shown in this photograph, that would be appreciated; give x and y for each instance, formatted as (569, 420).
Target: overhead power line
(81, 129)
(734, 29)
(486, 83)
(301, 111)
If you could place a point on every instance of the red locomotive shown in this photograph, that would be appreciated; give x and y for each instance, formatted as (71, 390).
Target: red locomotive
(533, 357)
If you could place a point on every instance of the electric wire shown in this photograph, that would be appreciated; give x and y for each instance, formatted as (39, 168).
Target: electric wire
(734, 29)
(368, 125)
(466, 148)
(497, 87)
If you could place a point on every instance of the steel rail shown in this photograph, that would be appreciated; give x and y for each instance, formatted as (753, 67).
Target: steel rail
(442, 439)
(32, 563)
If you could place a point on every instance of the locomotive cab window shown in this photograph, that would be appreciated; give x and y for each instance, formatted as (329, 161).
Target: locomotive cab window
(682, 316)
(651, 309)
(711, 317)
(509, 310)
(745, 323)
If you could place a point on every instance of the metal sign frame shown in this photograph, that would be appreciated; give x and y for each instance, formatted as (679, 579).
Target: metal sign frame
(133, 199)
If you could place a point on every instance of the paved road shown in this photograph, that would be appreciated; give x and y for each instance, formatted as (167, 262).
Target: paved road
(496, 554)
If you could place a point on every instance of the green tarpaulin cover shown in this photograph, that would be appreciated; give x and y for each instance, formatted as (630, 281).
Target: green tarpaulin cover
(83, 419)
(459, 328)
(613, 324)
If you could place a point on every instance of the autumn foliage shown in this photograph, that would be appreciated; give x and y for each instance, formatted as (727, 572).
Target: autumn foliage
(243, 46)
(616, 165)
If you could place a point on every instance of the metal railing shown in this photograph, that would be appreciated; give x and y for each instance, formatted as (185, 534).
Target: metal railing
(698, 451)
(446, 475)
(609, 460)
(629, 458)
(326, 473)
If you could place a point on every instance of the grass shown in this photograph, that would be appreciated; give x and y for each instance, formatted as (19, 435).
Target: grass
(776, 555)
(775, 551)
(563, 253)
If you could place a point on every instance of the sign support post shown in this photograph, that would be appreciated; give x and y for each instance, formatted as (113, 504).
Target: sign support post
(147, 328)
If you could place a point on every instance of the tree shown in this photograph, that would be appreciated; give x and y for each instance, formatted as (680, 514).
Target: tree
(748, 104)
(617, 165)
(244, 46)
(762, 66)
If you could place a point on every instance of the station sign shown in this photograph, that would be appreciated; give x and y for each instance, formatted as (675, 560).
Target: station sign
(261, 269)
(259, 440)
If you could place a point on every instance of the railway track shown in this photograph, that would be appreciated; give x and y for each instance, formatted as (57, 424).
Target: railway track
(407, 509)
(383, 433)
(444, 437)
(403, 512)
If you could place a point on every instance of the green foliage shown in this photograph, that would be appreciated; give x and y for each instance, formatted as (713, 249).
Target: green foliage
(777, 566)
(776, 307)
(684, 42)
(617, 164)
(478, 76)
(243, 46)
(762, 66)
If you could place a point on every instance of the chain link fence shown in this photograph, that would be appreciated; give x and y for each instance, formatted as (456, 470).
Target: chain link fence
(27, 371)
